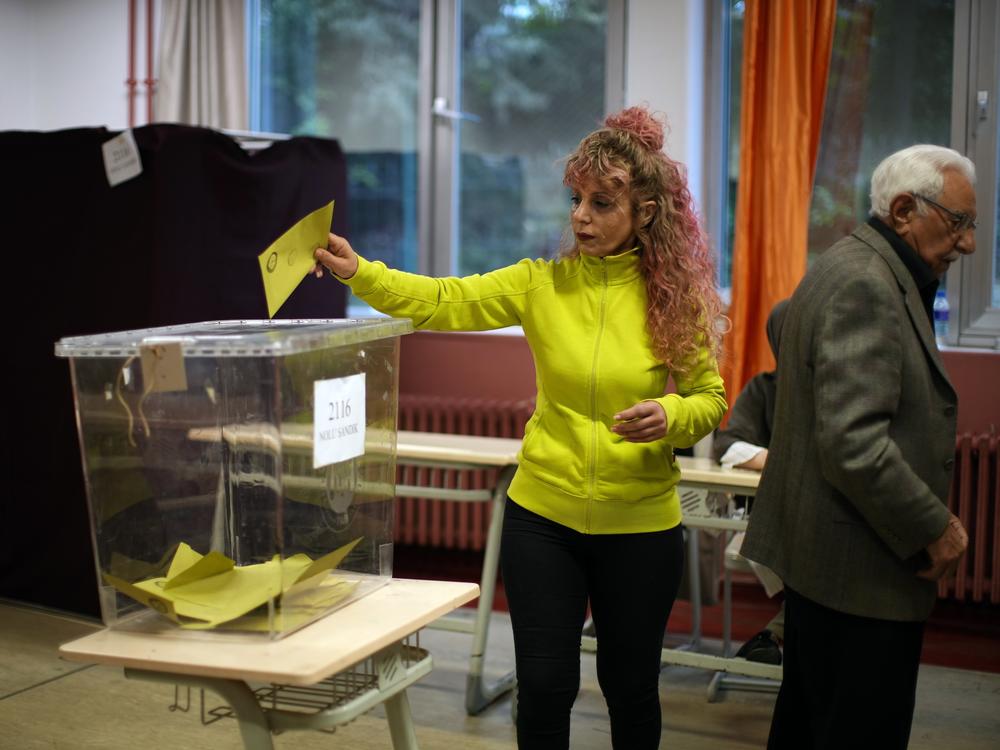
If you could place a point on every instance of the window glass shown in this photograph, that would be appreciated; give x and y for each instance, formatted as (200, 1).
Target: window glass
(529, 73)
(532, 75)
(347, 69)
(889, 86)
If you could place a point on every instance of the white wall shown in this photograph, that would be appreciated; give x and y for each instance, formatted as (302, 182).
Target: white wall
(63, 64)
(17, 69)
(666, 70)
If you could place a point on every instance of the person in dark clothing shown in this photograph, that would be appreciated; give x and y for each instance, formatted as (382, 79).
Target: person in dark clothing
(742, 444)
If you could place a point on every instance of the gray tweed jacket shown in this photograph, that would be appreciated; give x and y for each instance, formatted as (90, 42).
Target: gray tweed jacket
(860, 461)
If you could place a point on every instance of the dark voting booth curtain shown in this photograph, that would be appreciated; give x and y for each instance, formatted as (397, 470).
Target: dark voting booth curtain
(177, 244)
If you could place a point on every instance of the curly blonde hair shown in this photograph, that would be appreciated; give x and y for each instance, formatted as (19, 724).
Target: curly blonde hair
(683, 304)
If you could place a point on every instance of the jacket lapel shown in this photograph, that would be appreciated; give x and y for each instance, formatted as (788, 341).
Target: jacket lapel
(911, 296)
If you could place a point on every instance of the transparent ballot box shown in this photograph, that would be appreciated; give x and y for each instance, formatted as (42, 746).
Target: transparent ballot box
(240, 474)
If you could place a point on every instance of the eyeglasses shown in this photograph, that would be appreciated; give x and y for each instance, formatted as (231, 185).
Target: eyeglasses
(959, 222)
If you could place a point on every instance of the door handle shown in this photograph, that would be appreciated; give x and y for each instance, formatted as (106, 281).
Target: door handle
(440, 109)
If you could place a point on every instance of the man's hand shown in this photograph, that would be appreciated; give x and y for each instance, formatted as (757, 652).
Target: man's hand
(642, 423)
(338, 257)
(946, 551)
(756, 463)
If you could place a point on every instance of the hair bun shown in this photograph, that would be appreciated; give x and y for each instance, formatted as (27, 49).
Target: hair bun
(641, 124)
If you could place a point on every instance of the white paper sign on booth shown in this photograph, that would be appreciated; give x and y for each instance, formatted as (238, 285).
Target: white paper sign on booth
(121, 158)
(338, 420)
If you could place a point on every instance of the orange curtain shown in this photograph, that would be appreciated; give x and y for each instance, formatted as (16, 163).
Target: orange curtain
(786, 58)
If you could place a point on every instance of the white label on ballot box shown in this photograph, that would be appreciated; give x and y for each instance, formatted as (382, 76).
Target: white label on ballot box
(339, 419)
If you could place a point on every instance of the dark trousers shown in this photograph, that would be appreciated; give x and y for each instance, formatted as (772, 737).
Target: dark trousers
(549, 573)
(849, 682)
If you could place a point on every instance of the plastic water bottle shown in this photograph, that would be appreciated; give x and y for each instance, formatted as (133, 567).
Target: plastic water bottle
(941, 317)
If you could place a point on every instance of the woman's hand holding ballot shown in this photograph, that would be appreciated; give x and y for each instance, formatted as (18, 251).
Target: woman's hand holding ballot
(338, 257)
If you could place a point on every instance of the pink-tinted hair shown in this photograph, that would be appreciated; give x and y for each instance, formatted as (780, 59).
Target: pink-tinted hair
(684, 308)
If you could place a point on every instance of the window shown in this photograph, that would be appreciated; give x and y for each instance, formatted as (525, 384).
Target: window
(348, 69)
(934, 58)
(976, 133)
(453, 114)
(533, 75)
(879, 46)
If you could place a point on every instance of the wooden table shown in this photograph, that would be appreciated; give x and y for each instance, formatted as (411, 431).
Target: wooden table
(371, 630)
(445, 451)
(706, 474)
(467, 452)
(420, 449)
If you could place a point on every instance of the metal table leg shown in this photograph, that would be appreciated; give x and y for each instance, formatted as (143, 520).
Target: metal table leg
(394, 669)
(397, 713)
(722, 680)
(478, 693)
(694, 586)
(254, 727)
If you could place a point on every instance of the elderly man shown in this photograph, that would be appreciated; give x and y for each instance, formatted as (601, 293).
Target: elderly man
(851, 510)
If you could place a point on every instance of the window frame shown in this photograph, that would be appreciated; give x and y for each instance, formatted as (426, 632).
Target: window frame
(975, 323)
(438, 200)
(975, 134)
(716, 160)
(437, 137)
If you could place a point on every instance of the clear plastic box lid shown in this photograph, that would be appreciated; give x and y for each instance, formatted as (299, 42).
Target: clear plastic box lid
(237, 338)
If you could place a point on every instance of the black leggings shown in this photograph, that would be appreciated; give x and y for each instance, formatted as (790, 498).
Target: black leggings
(549, 573)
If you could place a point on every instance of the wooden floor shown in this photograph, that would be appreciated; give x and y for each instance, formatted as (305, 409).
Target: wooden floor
(53, 704)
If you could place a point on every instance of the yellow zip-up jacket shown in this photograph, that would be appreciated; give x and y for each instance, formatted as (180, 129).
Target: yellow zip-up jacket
(585, 321)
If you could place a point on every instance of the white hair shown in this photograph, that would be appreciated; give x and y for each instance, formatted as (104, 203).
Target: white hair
(917, 169)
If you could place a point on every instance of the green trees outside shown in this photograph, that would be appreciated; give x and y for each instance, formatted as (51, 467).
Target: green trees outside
(531, 71)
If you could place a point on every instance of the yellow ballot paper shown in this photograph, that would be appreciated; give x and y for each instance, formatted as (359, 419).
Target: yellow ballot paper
(290, 257)
(207, 591)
